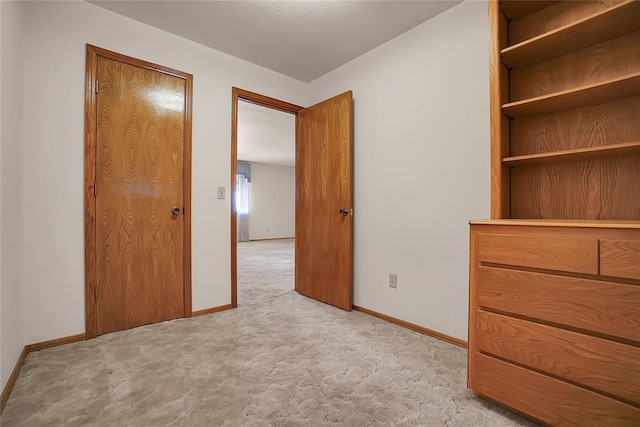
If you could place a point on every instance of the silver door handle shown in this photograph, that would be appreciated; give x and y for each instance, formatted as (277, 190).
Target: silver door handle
(175, 211)
(344, 212)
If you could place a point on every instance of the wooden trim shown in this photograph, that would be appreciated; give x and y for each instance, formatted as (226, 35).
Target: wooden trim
(413, 327)
(186, 196)
(55, 342)
(272, 238)
(90, 136)
(232, 196)
(92, 54)
(213, 310)
(498, 84)
(265, 101)
(6, 392)
(558, 223)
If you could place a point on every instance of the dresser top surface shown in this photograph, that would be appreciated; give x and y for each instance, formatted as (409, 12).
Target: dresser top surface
(558, 223)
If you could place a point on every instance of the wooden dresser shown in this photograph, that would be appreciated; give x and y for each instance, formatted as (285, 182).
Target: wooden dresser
(554, 320)
(554, 310)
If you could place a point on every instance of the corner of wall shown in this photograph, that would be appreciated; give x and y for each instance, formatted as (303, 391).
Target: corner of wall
(11, 67)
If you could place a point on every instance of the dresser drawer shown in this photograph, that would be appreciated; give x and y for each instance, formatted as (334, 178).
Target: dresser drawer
(578, 255)
(620, 258)
(547, 399)
(604, 307)
(599, 364)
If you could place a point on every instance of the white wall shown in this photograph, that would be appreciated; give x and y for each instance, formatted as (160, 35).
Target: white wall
(272, 201)
(421, 165)
(55, 34)
(421, 161)
(11, 329)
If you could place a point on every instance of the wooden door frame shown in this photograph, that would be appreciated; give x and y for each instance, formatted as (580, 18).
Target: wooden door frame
(264, 101)
(90, 136)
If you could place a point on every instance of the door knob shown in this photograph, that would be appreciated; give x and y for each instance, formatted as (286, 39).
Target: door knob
(344, 212)
(175, 211)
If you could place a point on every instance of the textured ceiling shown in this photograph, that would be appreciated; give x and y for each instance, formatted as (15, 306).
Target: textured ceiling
(266, 135)
(301, 39)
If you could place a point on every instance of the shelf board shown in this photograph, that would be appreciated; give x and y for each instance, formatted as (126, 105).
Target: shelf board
(519, 8)
(575, 155)
(597, 93)
(615, 21)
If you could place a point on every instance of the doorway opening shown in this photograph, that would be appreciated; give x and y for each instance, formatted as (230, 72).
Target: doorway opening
(265, 202)
(263, 191)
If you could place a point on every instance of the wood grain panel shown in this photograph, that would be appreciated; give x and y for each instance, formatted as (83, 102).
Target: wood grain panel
(139, 176)
(603, 307)
(607, 60)
(549, 400)
(324, 153)
(594, 126)
(615, 21)
(514, 9)
(558, 253)
(555, 16)
(499, 85)
(620, 258)
(606, 189)
(599, 364)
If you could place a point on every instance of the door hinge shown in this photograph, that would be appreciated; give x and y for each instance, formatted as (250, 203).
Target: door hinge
(95, 292)
(351, 212)
(96, 85)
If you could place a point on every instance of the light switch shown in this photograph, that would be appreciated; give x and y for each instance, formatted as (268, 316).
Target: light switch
(221, 193)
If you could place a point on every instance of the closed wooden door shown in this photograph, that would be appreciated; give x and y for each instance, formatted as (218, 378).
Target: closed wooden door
(324, 221)
(140, 134)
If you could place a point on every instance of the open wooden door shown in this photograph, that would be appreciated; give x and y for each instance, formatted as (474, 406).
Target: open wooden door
(324, 197)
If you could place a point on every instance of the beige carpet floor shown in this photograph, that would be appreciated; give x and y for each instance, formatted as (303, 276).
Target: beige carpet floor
(279, 359)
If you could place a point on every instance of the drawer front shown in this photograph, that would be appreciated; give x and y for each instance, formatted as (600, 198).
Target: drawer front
(547, 399)
(604, 307)
(620, 258)
(578, 255)
(599, 364)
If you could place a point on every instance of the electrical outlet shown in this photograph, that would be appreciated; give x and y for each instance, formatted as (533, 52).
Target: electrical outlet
(393, 280)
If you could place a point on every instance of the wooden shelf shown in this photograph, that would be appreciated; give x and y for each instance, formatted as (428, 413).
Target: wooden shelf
(518, 9)
(615, 21)
(609, 90)
(575, 155)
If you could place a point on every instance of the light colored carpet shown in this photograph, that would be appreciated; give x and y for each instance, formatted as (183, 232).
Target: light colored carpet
(279, 359)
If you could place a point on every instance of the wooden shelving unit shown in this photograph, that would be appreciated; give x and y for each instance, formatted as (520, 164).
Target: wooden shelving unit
(618, 20)
(554, 313)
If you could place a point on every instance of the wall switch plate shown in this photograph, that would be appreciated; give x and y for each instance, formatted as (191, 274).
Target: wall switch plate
(221, 193)
(393, 280)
